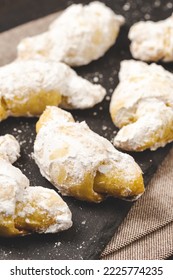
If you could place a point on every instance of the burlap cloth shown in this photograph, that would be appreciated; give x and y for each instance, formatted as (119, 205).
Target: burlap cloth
(147, 231)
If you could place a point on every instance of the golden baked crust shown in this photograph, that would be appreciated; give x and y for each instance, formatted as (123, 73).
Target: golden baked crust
(27, 87)
(24, 209)
(42, 210)
(142, 106)
(81, 163)
(12, 183)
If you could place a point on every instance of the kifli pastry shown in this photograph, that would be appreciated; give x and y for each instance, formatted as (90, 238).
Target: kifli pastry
(82, 164)
(152, 41)
(24, 209)
(142, 106)
(12, 184)
(78, 36)
(27, 87)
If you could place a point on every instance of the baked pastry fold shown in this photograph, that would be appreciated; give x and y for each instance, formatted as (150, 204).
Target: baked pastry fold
(27, 87)
(152, 41)
(82, 164)
(142, 106)
(24, 209)
(78, 36)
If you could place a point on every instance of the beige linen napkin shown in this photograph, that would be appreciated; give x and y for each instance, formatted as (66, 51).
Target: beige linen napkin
(147, 231)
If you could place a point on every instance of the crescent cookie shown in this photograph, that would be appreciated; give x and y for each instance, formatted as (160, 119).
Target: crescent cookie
(142, 106)
(78, 36)
(82, 164)
(24, 209)
(27, 87)
(152, 41)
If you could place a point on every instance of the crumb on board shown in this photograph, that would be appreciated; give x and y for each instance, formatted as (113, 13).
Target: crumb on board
(126, 6)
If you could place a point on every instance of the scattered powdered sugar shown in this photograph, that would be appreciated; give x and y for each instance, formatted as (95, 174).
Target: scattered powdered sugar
(57, 244)
(108, 98)
(111, 80)
(147, 16)
(104, 127)
(157, 3)
(169, 5)
(126, 6)
(96, 79)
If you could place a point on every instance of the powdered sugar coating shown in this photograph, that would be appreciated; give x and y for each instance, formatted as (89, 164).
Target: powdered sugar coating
(142, 106)
(63, 146)
(21, 205)
(25, 83)
(81, 34)
(152, 41)
(46, 202)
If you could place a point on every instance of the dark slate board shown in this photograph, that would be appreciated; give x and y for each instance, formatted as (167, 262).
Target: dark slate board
(94, 224)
